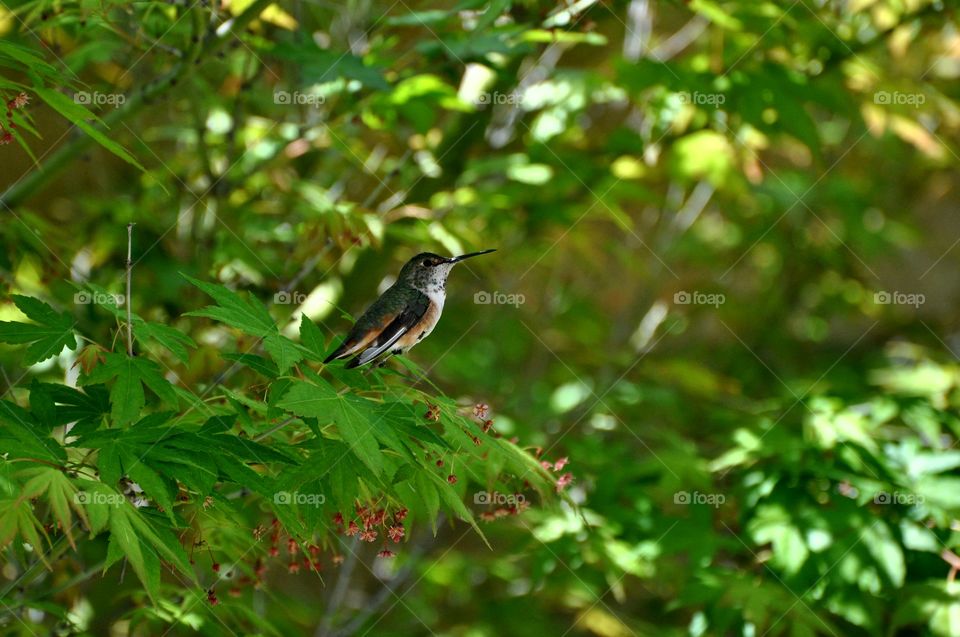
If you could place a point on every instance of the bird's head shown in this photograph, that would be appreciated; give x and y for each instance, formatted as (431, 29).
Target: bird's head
(428, 267)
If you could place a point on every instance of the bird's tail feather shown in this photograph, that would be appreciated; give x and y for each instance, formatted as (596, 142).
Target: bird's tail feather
(340, 352)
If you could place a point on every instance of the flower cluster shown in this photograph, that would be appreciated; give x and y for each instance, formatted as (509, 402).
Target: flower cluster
(520, 505)
(18, 101)
(310, 553)
(481, 411)
(251, 574)
(366, 522)
(564, 480)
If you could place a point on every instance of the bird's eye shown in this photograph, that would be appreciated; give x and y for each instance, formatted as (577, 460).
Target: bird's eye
(429, 262)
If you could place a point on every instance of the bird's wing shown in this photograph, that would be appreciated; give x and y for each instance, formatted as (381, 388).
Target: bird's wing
(411, 315)
(382, 318)
(377, 317)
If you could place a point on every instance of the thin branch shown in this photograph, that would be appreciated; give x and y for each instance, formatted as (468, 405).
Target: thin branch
(275, 429)
(129, 299)
(684, 37)
(639, 28)
(374, 604)
(340, 591)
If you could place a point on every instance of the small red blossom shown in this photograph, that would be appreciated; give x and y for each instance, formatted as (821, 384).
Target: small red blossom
(378, 517)
(216, 567)
(481, 411)
(337, 560)
(561, 463)
(488, 516)
(235, 592)
(440, 462)
(352, 529)
(452, 478)
(6, 138)
(19, 101)
(563, 481)
(546, 465)
(396, 532)
(368, 536)
(314, 550)
(274, 551)
(401, 515)
(293, 567)
(386, 553)
(338, 519)
(212, 598)
(292, 546)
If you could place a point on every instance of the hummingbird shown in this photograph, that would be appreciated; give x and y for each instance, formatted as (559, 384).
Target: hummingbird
(404, 314)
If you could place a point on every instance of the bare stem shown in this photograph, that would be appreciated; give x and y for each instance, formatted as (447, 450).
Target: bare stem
(275, 429)
(340, 590)
(129, 298)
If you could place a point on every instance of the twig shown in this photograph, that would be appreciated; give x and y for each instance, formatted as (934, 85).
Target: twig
(684, 37)
(340, 591)
(639, 28)
(691, 210)
(129, 279)
(308, 267)
(50, 592)
(953, 560)
(275, 429)
(373, 605)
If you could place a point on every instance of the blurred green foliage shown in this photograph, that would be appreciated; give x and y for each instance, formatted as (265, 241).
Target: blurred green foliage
(724, 293)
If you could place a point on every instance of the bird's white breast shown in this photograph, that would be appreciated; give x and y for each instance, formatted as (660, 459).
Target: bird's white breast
(437, 297)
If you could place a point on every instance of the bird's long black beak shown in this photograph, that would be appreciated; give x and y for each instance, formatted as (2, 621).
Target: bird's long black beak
(472, 254)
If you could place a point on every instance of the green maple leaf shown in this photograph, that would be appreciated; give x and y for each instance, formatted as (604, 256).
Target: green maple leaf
(311, 339)
(60, 493)
(50, 332)
(131, 374)
(250, 316)
(143, 544)
(170, 338)
(354, 417)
